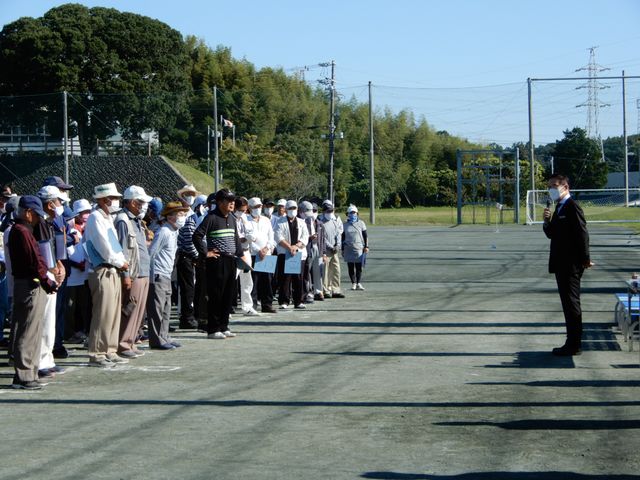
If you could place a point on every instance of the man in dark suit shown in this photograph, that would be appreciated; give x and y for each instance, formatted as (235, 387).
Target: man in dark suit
(568, 258)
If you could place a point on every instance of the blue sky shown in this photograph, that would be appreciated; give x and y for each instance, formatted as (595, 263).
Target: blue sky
(460, 64)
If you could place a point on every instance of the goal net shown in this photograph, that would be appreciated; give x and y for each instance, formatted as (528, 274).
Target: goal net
(599, 205)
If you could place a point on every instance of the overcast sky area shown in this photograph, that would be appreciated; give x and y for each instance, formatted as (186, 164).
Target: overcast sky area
(460, 64)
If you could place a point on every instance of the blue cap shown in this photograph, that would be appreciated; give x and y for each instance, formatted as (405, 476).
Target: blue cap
(32, 202)
(56, 182)
(155, 206)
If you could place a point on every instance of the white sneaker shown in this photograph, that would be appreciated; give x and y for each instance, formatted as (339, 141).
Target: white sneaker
(229, 334)
(251, 312)
(217, 336)
(284, 306)
(354, 286)
(359, 286)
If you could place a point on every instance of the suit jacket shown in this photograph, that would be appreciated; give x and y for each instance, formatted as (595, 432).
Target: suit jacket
(567, 230)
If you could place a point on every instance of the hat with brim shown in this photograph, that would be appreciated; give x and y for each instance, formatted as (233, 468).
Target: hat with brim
(173, 207)
(187, 189)
(50, 192)
(32, 202)
(57, 182)
(135, 192)
(106, 190)
(254, 202)
(225, 195)
(80, 206)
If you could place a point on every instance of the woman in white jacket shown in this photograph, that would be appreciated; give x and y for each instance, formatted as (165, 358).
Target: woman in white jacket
(291, 236)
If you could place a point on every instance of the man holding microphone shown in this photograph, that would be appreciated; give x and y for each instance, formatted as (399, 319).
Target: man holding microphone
(568, 258)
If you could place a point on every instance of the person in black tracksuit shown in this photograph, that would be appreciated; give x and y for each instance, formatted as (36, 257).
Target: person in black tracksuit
(568, 258)
(222, 247)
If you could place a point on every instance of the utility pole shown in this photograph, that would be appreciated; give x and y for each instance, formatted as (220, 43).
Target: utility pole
(208, 149)
(65, 127)
(626, 143)
(332, 125)
(372, 194)
(216, 184)
(532, 162)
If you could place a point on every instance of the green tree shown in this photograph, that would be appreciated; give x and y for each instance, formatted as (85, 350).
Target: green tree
(580, 158)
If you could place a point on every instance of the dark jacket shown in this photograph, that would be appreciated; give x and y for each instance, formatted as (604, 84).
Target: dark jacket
(569, 250)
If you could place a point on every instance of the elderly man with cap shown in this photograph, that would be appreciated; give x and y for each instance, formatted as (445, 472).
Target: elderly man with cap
(189, 279)
(315, 252)
(78, 307)
(333, 229)
(106, 260)
(32, 283)
(262, 245)
(162, 254)
(291, 237)
(187, 195)
(52, 239)
(62, 231)
(135, 281)
(223, 245)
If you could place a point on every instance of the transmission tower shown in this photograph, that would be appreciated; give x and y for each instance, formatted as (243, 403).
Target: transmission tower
(593, 86)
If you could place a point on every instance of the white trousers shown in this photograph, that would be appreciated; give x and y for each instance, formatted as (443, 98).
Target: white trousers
(246, 285)
(48, 334)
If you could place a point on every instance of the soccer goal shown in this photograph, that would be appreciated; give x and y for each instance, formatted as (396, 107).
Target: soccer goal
(599, 205)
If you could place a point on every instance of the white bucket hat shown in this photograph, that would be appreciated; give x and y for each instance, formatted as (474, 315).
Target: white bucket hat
(80, 206)
(106, 190)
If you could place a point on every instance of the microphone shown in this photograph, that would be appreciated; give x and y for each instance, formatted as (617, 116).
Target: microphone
(548, 203)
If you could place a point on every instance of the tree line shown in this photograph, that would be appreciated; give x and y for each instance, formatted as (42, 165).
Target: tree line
(128, 73)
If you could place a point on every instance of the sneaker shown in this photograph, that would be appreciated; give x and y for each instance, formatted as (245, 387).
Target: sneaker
(338, 295)
(229, 334)
(327, 295)
(217, 336)
(176, 344)
(31, 385)
(319, 297)
(284, 306)
(138, 352)
(58, 370)
(354, 286)
(128, 354)
(164, 346)
(45, 373)
(251, 312)
(301, 306)
(359, 286)
(101, 363)
(113, 358)
(268, 309)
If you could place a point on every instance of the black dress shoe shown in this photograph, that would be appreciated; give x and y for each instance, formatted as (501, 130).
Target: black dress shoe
(189, 324)
(338, 295)
(60, 353)
(566, 351)
(268, 309)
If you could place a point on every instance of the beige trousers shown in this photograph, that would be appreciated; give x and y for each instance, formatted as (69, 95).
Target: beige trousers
(331, 280)
(134, 302)
(105, 288)
(29, 302)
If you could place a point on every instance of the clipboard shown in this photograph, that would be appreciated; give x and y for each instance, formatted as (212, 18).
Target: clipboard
(46, 250)
(242, 265)
(293, 264)
(266, 265)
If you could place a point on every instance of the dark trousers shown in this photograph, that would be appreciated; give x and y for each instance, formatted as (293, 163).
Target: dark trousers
(186, 285)
(78, 314)
(261, 286)
(569, 290)
(200, 293)
(355, 272)
(221, 276)
(289, 283)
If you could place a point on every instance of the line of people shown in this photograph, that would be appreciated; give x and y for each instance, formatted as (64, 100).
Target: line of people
(95, 272)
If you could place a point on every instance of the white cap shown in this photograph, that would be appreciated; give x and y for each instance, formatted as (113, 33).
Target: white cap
(106, 190)
(187, 189)
(135, 192)
(51, 192)
(352, 208)
(290, 204)
(306, 206)
(80, 206)
(327, 205)
(282, 202)
(254, 202)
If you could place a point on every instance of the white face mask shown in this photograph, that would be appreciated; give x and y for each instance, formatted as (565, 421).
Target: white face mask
(115, 206)
(554, 193)
(59, 210)
(292, 213)
(180, 221)
(189, 199)
(143, 210)
(330, 216)
(255, 212)
(238, 213)
(268, 211)
(313, 215)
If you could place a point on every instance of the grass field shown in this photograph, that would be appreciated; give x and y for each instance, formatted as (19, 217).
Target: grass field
(411, 217)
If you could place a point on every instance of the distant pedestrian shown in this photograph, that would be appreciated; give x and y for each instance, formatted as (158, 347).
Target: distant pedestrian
(332, 240)
(355, 246)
